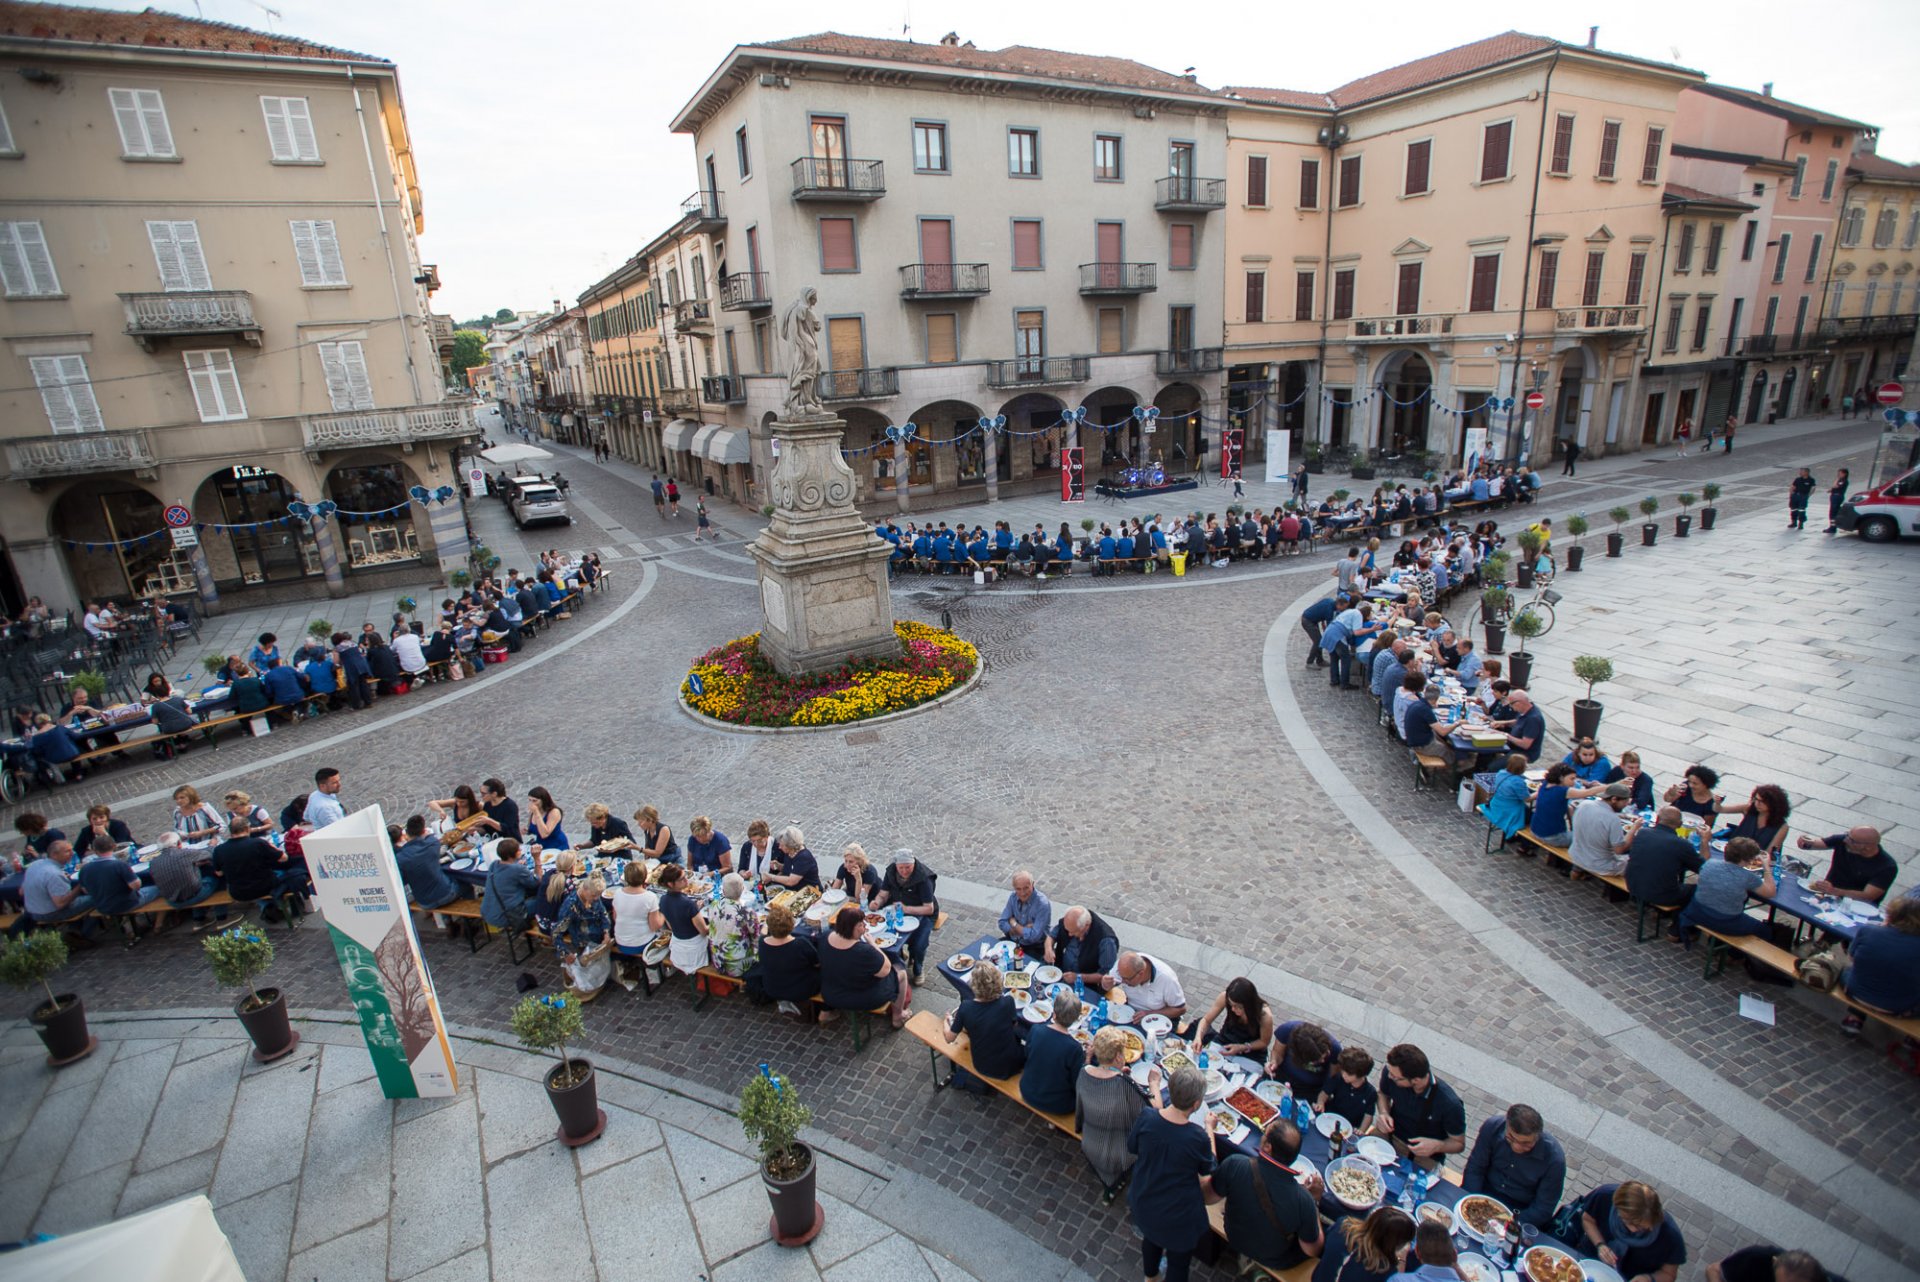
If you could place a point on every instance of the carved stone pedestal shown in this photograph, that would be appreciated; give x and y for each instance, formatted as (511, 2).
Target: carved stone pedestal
(823, 571)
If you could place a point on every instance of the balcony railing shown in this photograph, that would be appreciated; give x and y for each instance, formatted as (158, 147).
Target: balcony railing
(723, 389)
(190, 314)
(442, 332)
(388, 427)
(1117, 278)
(943, 280)
(70, 454)
(1846, 327)
(1597, 318)
(745, 292)
(1401, 326)
(702, 211)
(1192, 360)
(679, 400)
(823, 178)
(858, 384)
(692, 313)
(1037, 371)
(1180, 194)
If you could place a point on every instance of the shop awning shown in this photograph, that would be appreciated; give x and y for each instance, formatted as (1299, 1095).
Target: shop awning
(730, 445)
(678, 434)
(701, 437)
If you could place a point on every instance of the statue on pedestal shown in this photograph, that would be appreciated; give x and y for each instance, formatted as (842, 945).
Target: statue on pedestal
(800, 328)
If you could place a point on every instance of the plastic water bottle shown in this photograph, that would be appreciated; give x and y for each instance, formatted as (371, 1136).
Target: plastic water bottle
(1303, 1114)
(1407, 1197)
(1286, 1100)
(1080, 989)
(1203, 1061)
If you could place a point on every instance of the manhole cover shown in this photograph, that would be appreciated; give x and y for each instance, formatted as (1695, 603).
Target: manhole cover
(860, 738)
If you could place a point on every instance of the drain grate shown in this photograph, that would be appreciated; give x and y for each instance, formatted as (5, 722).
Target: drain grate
(860, 738)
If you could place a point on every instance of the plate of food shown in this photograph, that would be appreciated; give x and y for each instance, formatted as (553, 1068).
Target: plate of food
(876, 919)
(1038, 1012)
(1329, 1123)
(1216, 1084)
(1376, 1150)
(1597, 1271)
(1550, 1264)
(1223, 1122)
(1475, 1267)
(882, 940)
(1172, 1062)
(1252, 1107)
(458, 865)
(1476, 1211)
(1355, 1183)
(1019, 981)
(1139, 1073)
(817, 913)
(1155, 1025)
(614, 845)
(1119, 1013)
(656, 952)
(1135, 1045)
(1080, 1033)
(960, 963)
(1433, 1213)
(834, 896)
(1272, 1093)
(1048, 974)
(1021, 999)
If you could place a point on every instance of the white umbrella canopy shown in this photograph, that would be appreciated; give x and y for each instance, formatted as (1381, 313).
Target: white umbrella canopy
(511, 453)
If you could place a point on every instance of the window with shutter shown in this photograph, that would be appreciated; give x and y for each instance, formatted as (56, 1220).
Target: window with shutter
(1309, 184)
(1773, 316)
(846, 343)
(1419, 167)
(1609, 149)
(26, 267)
(1800, 319)
(1799, 179)
(1833, 174)
(345, 366)
(1562, 162)
(740, 154)
(216, 387)
(1883, 226)
(1683, 256)
(837, 249)
(1636, 277)
(1303, 289)
(142, 119)
(943, 338)
(6, 134)
(1343, 294)
(290, 129)
(1180, 247)
(1702, 320)
(1752, 237)
(1676, 317)
(1716, 240)
(1650, 162)
(1257, 181)
(1026, 245)
(1256, 297)
(1113, 330)
(1780, 263)
(1596, 273)
(1549, 277)
(1407, 299)
(1496, 143)
(1349, 181)
(317, 249)
(1813, 256)
(177, 253)
(1486, 279)
(66, 392)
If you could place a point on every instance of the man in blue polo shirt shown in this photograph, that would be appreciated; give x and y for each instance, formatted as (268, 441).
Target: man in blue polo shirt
(1123, 549)
(1105, 552)
(1313, 621)
(1420, 1113)
(1515, 1160)
(922, 546)
(284, 684)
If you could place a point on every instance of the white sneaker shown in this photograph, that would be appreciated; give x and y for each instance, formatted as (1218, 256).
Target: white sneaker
(788, 1008)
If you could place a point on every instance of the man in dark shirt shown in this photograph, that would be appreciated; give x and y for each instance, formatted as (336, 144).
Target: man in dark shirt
(1762, 1263)
(1861, 869)
(909, 883)
(419, 861)
(111, 882)
(251, 867)
(1515, 1160)
(1420, 1113)
(1083, 947)
(503, 813)
(1269, 1216)
(1527, 732)
(1313, 621)
(1051, 1078)
(1659, 860)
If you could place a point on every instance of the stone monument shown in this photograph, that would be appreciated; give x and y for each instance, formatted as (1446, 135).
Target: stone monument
(823, 572)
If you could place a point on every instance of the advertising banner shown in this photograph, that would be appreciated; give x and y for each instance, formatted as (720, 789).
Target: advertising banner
(1232, 443)
(1278, 442)
(1476, 448)
(1073, 475)
(357, 884)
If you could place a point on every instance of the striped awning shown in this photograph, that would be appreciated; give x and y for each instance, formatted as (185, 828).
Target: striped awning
(700, 438)
(678, 435)
(730, 445)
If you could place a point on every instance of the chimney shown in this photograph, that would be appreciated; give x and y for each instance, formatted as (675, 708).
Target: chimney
(558, 307)
(1766, 90)
(951, 40)
(1593, 37)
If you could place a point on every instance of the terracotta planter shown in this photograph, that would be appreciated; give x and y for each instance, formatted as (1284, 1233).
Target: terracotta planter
(577, 1106)
(1681, 524)
(1520, 668)
(1615, 542)
(1648, 534)
(1706, 517)
(63, 1028)
(1586, 718)
(797, 1215)
(268, 1025)
(1575, 555)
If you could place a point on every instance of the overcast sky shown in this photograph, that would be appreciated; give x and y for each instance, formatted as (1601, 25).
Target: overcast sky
(541, 128)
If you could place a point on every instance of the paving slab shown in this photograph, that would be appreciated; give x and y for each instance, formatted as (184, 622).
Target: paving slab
(768, 1262)
(343, 1066)
(659, 1243)
(704, 1166)
(260, 1228)
(848, 1232)
(37, 1156)
(359, 1256)
(192, 1114)
(117, 1118)
(515, 1114)
(732, 1220)
(526, 1196)
(84, 1202)
(437, 1211)
(266, 1140)
(167, 1183)
(628, 1134)
(471, 1267)
(347, 1178)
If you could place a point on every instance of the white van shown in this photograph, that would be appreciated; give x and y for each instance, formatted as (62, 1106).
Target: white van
(534, 501)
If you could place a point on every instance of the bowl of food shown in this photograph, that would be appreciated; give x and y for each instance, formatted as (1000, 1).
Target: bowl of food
(1550, 1264)
(1596, 1271)
(1476, 1212)
(1357, 1184)
(1433, 1213)
(1134, 1045)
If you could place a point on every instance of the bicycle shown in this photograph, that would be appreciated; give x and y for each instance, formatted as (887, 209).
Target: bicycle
(1540, 605)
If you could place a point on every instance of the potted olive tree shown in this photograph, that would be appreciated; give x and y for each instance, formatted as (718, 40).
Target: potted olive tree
(1526, 625)
(548, 1023)
(1361, 466)
(1617, 539)
(460, 580)
(61, 1020)
(1316, 458)
(1649, 531)
(1682, 522)
(238, 957)
(1494, 602)
(1711, 493)
(1577, 526)
(1592, 669)
(320, 630)
(1531, 541)
(772, 1116)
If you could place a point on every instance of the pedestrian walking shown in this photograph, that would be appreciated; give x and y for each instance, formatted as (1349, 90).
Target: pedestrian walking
(1681, 435)
(1797, 498)
(1836, 499)
(659, 497)
(1239, 489)
(1573, 456)
(1846, 411)
(1300, 484)
(706, 527)
(673, 497)
(1726, 435)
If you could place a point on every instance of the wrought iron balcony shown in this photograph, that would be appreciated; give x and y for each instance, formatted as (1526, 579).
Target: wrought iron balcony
(1597, 319)
(1192, 360)
(679, 400)
(858, 384)
(1178, 194)
(693, 313)
(190, 314)
(402, 426)
(702, 211)
(745, 292)
(943, 280)
(1846, 327)
(1037, 371)
(823, 178)
(1117, 278)
(723, 389)
(1400, 327)
(72, 453)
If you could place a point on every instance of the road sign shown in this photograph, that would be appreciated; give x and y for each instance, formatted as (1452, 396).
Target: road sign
(179, 518)
(185, 536)
(695, 684)
(1536, 400)
(1890, 393)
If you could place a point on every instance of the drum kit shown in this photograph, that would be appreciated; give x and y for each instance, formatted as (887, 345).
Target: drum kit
(1138, 477)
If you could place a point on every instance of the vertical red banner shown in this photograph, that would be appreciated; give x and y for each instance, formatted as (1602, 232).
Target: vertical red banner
(1232, 441)
(1073, 475)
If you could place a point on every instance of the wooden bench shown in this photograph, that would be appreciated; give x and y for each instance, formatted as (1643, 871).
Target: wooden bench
(1301, 1272)
(1753, 947)
(1910, 1025)
(857, 1019)
(931, 1029)
(1426, 762)
(466, 909)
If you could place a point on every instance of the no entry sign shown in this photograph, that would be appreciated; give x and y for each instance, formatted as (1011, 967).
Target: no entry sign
(1890, 393)
(1536, 399)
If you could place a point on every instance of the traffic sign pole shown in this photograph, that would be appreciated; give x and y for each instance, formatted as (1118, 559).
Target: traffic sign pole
(1890, 393)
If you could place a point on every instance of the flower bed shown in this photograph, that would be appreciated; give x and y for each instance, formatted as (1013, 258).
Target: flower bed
(739, 685)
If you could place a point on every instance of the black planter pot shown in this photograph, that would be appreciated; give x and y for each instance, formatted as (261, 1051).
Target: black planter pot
(1648, 534)
(1586, 719)
(797, 1215)
(1315, 467)
(1361, 473)
(1520, 668)
(1575, 555)
(1615, 542)
(1681, 524)
(268, 1026)
(1706, 517)
(1523, 574)
(577, 1106)
(64, 1030)
(1496, 638)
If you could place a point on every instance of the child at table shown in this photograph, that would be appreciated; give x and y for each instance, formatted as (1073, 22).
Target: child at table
(1348, 1092)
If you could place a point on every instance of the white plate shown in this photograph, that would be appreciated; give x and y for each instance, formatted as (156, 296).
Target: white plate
(818, 913)
(1038, 1012)
(1139, 1073)
(1047, 975)
(1302, 1168)
(1597, 1271)
(139, 868)
(881, 939)
(1155, 1025)
(462, 865)
(1216, 1083)
(1326, 1122)
(960, 963)
(1478, 1268)
(834, 896)
(1375, 1150)
(1861, 908)
(1119, 1013)
(908, 925)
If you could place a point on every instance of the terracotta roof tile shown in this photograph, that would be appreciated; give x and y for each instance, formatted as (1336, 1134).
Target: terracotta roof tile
(1434, 68)
(1870, 166)
(154, 29)
(1791, 111)
(1280, 97)
(1022, 60)
(1682, 194)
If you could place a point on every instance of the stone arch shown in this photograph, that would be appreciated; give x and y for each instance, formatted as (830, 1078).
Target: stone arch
(1177, 435)
(1034, 455)
(371, 481)
(946, 466)
(1110, 405)
(102, 511)
(873, 464)
(272, 552)
(1406, 374)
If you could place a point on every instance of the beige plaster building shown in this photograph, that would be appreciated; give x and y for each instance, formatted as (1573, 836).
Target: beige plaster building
(1691, 374)
(623, 342)
(213, 298)
(1873, 297)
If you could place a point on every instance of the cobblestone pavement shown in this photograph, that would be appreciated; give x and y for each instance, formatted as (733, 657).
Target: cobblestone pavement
(1162, 791)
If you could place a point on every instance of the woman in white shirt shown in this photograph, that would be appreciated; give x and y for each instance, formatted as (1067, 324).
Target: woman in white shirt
(636, 920)
(198, 823)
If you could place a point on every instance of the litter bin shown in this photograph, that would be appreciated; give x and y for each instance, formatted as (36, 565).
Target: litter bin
(1179, 564)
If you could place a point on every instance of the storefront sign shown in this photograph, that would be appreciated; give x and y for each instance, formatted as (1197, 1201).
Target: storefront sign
(1476, 448)
(245, 472)
(185, 537)
(357, 884)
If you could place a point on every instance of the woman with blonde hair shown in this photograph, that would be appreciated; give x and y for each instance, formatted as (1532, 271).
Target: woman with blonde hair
(603, 826)
(198, 823)
(1106, 1104)
(240, 806)
(583, 938)
(1626, 1226)
(991, 1026)
(707, 850)
(855, 875)
(656, 839)
(559, 882)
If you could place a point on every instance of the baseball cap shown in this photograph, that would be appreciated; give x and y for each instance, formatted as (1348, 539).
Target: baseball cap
(1617, 790)
(903, 856)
